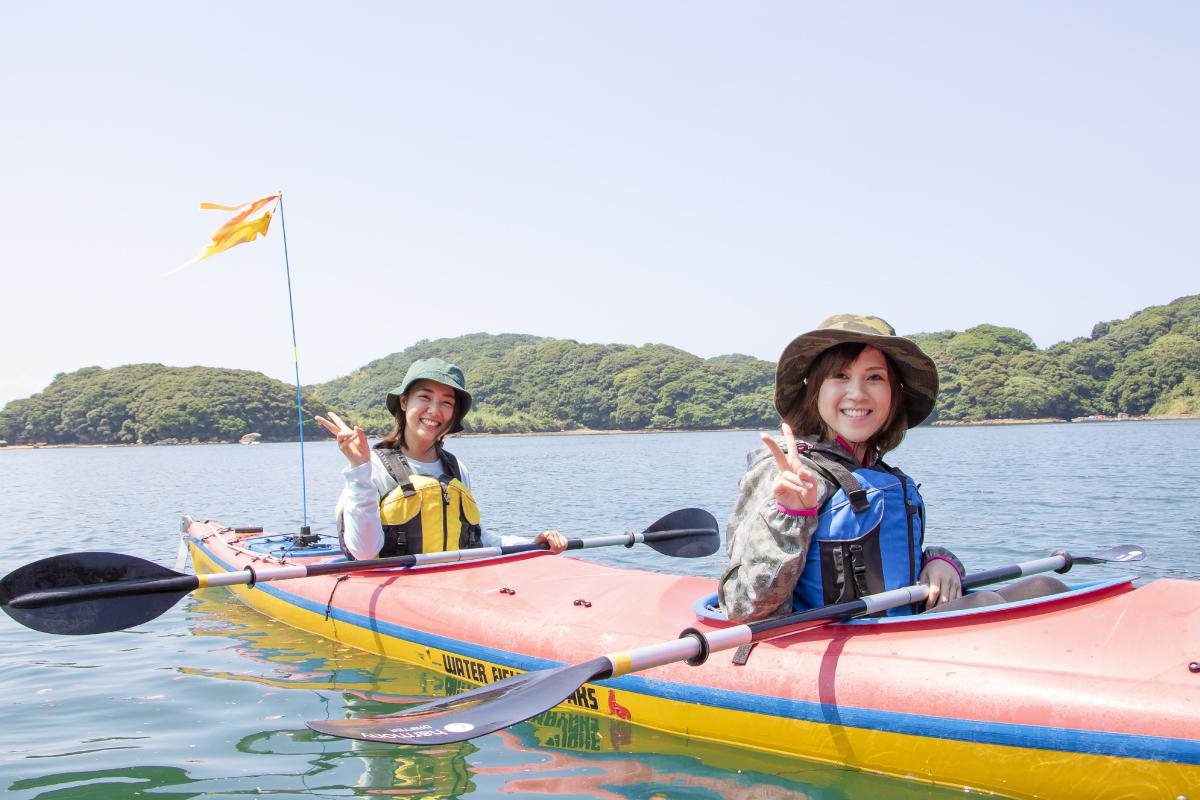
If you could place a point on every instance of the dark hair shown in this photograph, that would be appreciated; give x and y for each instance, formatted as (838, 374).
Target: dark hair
(805, 418)
(395, 439)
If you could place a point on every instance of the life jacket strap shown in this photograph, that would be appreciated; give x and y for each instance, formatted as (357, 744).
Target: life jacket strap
(397, 466)
(837, 472)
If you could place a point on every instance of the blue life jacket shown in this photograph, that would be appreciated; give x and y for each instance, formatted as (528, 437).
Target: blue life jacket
(869, 537)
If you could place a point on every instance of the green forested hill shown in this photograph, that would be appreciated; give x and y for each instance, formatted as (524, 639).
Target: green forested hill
(1146, 364)
(361, 392)
(524, 383)
(152, 403)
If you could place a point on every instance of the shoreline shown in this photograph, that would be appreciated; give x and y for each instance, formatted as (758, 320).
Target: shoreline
(965, 423)
(954, 423)
(464, 435)
(592, 432)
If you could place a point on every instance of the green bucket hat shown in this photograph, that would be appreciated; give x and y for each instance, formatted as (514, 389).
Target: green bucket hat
(917, 370)
(440, 371)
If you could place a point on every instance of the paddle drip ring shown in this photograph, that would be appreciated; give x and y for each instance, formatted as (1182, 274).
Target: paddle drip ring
(701, 640)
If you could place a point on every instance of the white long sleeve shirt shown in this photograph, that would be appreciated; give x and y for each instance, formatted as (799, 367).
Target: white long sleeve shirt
(367, 484)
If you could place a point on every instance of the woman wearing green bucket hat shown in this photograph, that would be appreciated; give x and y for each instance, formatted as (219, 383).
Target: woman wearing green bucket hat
(820, 518)
(409, 494)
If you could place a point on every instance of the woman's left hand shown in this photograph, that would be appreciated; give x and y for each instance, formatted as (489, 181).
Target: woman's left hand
(556, 540)
(943, 580)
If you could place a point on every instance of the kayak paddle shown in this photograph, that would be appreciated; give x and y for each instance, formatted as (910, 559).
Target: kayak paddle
(498, 705)
(95, 592)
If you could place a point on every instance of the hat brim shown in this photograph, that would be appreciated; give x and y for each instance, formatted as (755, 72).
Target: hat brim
(917, 371)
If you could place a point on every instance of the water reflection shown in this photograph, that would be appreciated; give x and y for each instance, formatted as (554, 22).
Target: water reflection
(560, 753)
(108, 784)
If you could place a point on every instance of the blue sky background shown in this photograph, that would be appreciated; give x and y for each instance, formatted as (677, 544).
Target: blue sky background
(715, 176)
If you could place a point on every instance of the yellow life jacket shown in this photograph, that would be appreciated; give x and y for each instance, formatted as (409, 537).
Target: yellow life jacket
(424, 514)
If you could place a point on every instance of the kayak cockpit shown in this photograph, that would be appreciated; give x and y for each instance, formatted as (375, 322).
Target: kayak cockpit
(707, 611)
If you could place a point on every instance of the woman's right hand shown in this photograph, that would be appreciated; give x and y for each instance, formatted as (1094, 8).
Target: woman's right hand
(796, 486)
(352, 442)
(556, 540)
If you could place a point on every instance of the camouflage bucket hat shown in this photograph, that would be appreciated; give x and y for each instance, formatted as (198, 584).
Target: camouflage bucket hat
(917, 370)
(440, 371)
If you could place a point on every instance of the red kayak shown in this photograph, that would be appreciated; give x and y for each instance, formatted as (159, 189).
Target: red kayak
(1094, 693)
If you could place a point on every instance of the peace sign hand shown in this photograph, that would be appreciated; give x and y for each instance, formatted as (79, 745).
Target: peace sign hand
(796, 486)
(352, 443)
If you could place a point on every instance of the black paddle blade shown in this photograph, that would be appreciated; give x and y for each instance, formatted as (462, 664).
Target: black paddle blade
(1120, 553)
(703, 537)
(475, 713)
(81, 593)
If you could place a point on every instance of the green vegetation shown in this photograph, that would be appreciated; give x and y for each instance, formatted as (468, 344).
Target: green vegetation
(525, 383)
(1147, 364)
(146, 403)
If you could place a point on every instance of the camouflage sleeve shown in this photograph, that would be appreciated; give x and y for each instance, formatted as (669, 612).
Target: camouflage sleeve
(767, 548)
(941, 552)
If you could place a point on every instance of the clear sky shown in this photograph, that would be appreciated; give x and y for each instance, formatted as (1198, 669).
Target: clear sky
(715, 176)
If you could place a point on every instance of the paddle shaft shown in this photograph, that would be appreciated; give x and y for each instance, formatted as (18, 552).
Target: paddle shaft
(694, 646)
(252, 575)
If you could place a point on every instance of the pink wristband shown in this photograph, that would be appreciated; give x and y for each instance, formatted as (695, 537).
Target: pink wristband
(948, 561)
(795, 512)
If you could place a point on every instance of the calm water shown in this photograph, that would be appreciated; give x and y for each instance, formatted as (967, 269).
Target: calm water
(210, 699)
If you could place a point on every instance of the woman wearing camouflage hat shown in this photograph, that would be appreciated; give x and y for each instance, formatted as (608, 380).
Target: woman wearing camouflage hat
(820, 518)
(408, 494)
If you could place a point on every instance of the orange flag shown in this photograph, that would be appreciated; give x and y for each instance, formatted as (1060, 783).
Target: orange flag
(242, 227)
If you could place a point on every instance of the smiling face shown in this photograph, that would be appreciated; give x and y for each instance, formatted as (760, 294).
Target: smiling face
(428, 409)
(855, 401)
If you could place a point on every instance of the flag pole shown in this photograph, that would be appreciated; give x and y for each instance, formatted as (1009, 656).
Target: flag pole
(304, 530)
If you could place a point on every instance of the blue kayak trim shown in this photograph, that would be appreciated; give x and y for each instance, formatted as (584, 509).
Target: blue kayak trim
(1069, 740)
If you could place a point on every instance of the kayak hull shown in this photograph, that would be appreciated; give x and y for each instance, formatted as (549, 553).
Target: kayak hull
(1085, 695)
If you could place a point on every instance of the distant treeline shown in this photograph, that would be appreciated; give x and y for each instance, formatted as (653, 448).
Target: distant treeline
(1147, 364)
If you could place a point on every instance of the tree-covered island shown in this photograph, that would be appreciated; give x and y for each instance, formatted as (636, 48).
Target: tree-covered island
(1148, 364)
